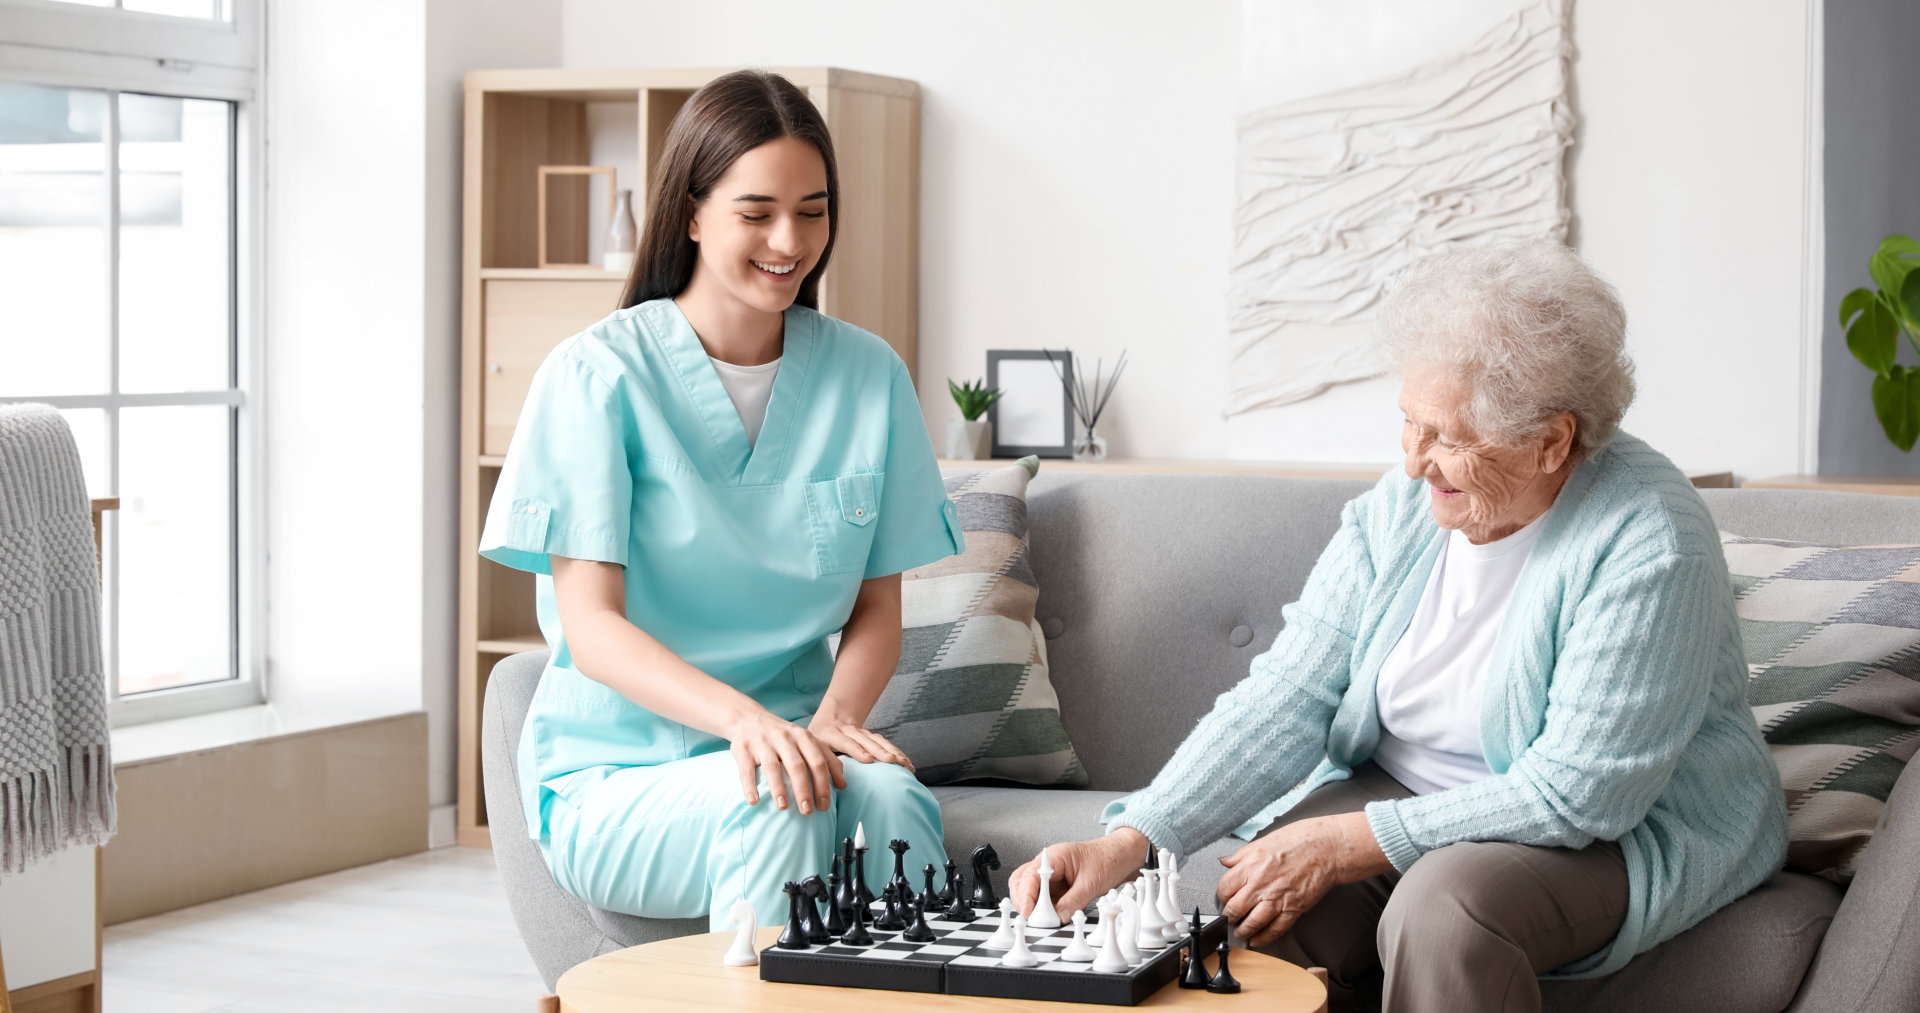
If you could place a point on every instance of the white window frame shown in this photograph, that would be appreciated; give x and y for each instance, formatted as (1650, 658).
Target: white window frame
(46, 42)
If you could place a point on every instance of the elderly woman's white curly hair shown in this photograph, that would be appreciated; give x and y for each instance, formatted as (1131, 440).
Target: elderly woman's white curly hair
(1529, 328)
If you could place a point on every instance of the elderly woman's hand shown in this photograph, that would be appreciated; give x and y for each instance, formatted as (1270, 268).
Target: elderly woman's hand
(1271, 882)
(1082, 871)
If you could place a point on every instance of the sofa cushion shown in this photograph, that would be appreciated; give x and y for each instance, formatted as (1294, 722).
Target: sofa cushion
(972, 698)
(1832, 636)
(1748, 957)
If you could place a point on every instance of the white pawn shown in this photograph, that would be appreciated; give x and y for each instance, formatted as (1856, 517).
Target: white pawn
(1147, 933)
(1129, 925)
(1111, 960)
(1002, 937)
(1078, 952)
(1103, 905)
(1044, 916)
(1019, 955)
(1175, 929)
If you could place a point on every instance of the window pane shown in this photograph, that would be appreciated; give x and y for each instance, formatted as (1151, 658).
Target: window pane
(207, 9)
(175, 224)
(176, 550)
(53, 242)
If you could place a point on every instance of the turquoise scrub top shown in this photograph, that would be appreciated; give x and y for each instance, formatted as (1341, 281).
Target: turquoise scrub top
(740, 559)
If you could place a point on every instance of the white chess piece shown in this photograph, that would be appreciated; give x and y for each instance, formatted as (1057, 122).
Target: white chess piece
(1102, 905)
(1175, 929)
(1019, 955)
(1002, 937)
(1111, 960)
(859, 835)
(742, 953)
(1044, 916)
(1147, 932)
(1129, 925)
(1077, 951)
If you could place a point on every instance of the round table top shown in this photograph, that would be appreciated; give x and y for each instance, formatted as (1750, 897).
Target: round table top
(686, 974)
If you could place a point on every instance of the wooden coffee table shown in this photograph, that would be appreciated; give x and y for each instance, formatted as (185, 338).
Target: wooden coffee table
(686, 974)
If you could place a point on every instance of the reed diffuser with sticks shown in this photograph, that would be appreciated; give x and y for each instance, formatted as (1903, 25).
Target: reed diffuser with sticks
(1088, 400)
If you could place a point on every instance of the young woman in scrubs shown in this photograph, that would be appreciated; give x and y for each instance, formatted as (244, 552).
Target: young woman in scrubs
(710, 482)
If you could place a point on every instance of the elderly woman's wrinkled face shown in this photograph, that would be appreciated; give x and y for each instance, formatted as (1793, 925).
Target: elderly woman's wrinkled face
(1487, 490)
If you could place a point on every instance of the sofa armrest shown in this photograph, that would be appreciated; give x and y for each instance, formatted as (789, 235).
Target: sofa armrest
(1869, 961)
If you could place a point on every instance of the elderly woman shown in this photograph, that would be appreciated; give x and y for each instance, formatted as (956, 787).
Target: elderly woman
(1509, 700)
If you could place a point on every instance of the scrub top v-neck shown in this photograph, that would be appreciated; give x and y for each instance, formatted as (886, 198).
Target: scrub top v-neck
(742, 558)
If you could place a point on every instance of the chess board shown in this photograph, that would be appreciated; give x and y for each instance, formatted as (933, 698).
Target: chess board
(956, 963)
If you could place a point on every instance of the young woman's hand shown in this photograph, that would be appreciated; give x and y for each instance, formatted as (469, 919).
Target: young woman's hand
(790, 755)
(851, 739)
(1083, 871)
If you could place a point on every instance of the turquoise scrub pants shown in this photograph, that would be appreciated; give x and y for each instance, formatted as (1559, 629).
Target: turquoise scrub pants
(678, 840)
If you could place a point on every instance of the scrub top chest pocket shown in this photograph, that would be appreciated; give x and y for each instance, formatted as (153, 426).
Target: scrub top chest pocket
(842, 512)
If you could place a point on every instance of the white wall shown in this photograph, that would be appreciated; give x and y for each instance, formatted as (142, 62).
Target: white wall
(1077, 191)
(364, 183)
(345, 300)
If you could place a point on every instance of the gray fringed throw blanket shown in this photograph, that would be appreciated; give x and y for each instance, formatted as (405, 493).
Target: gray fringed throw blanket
(56, 779)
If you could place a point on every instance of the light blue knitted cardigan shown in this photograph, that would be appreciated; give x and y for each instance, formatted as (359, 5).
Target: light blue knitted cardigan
(1614, 706)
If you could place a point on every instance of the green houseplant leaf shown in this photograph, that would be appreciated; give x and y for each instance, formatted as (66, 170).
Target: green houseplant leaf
(1872, 335)
(1896, 400)
(1897, 256)
(974, 398)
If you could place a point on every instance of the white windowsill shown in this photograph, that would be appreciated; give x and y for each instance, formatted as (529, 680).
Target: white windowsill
(160, 739)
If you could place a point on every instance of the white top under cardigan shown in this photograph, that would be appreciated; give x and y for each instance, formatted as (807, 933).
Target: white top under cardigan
(750, 388)
(1430, 686)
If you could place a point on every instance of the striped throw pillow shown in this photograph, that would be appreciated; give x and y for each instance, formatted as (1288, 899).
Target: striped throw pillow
(1832, 635)
(971, 699)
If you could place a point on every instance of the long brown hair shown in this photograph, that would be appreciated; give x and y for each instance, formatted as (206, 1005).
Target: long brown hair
(730, 116)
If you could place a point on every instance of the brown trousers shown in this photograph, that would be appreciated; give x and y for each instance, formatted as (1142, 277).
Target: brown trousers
(1468, 927)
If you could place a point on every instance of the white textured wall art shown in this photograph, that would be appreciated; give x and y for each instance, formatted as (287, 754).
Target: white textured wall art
(1337, 191)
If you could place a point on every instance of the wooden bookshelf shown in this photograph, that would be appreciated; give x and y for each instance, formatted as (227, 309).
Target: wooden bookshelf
(513, 312)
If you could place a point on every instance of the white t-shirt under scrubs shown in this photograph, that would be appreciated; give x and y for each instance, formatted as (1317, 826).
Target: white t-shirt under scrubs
(749, 388)
(1429, 687)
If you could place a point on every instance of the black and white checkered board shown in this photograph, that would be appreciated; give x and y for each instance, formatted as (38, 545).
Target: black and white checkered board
(957, 964)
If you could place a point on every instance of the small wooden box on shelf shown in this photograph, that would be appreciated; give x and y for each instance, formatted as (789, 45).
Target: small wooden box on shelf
(513, 311)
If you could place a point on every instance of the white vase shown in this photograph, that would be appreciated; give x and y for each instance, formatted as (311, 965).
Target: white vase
(969, 441)
(621, 236)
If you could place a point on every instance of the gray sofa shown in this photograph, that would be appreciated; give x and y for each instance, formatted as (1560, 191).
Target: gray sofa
(1155, 593)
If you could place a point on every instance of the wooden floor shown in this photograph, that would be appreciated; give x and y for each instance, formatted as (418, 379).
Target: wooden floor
(421, 934)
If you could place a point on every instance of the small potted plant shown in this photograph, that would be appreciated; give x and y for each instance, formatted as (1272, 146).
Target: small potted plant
(1875, 321)
(970, 438)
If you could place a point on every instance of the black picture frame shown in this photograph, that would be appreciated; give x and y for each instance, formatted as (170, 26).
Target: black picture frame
(1027, 388)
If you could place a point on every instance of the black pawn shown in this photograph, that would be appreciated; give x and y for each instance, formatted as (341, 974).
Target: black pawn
(901, 888)
(1196, 974)
(1223, 981)
(920, 931)
(862, 895)
(930, 895)
(811, 890)
(952, 889)
(958, 910)
(795, 935)
(836, 919)
(857, 934)
(890, 920)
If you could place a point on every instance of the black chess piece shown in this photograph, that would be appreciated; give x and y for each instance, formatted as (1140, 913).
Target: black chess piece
(901, 888)
(930, 895)
(836, 918)
(1153, 857)
(1196, 973)
(958, 910)
(920, 931)
(857, 934)
(795, 935)
(984, 858)
(951, 890)
(1223, 981)
(836, 888)
(890, 920)
(862, 895)
(843, 897)
(811, 890)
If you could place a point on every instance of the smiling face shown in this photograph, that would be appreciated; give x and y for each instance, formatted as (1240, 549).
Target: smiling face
(1486, 490)
(762, 228)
